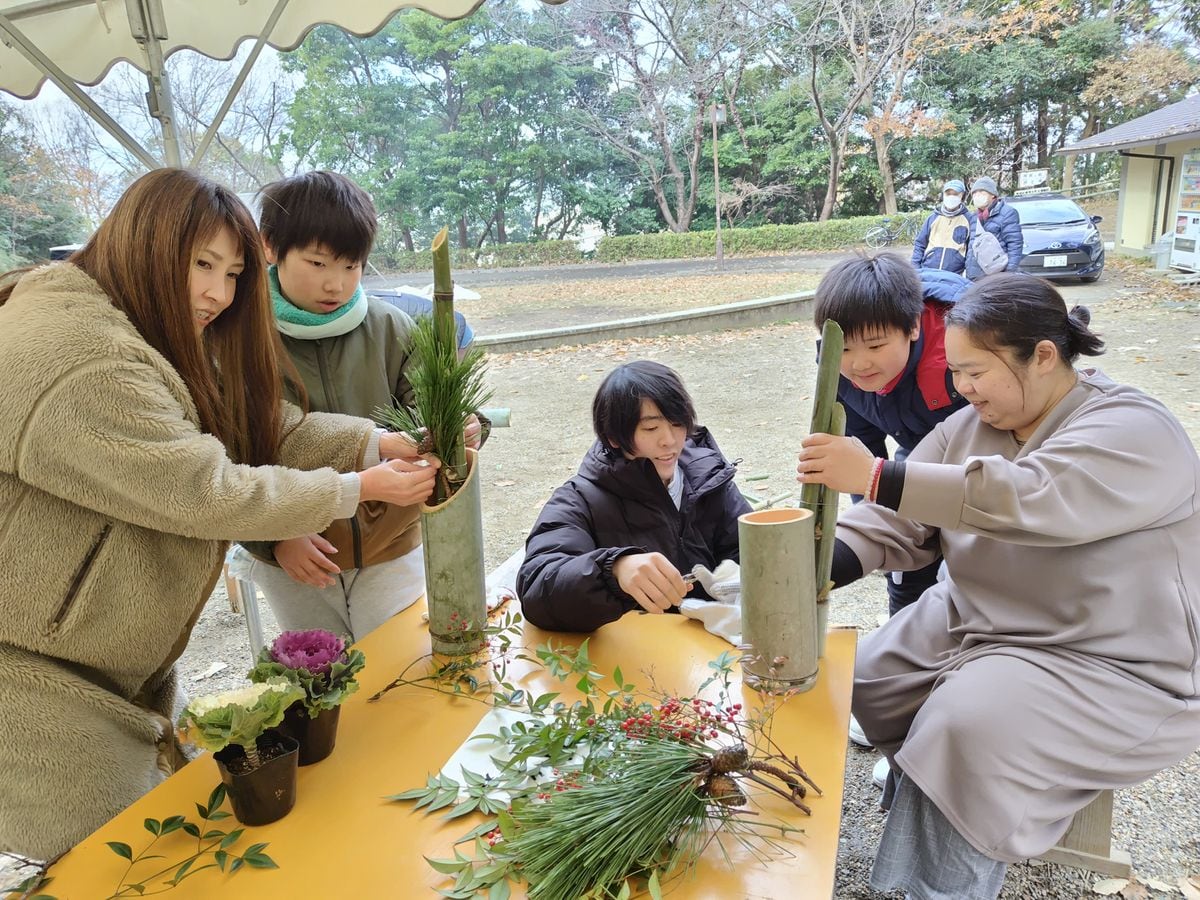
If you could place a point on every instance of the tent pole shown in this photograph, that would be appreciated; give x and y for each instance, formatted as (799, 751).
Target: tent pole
(67, 85)
(202, 147)
(148, 27)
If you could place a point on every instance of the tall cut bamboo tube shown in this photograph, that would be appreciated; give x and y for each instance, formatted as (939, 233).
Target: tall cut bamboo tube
(817, 497)
(779, 609)
(452, 527)
(827, 525)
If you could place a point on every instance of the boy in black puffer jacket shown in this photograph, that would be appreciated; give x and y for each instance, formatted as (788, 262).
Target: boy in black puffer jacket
(653, 498)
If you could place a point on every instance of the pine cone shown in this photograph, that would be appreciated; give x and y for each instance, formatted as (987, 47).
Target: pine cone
(730, 759)
(724, 790)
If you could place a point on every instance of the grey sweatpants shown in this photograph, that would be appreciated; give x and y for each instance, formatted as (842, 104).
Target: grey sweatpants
(358, 602)
(922, 854)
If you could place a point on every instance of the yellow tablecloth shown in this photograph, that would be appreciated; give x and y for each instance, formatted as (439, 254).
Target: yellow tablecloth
(343, 840)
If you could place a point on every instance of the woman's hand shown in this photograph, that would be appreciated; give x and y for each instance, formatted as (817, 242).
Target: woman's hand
(304, 559)
(472, 434)
(394, 445)
(651, 580)
(399, 481)
(842, 463)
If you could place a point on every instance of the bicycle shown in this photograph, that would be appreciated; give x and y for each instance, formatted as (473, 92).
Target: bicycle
(891, 230)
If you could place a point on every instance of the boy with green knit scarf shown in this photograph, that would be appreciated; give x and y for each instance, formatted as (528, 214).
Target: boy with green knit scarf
(352, 352)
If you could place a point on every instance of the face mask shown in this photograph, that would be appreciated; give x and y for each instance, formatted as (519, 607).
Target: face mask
(981, 199)
(951, 203)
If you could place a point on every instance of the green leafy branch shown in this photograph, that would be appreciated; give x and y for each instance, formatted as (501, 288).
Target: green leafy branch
(462, 675)
(214, 843)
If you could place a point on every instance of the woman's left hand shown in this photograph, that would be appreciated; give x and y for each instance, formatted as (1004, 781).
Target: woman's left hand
(473, 433)
(842, 463)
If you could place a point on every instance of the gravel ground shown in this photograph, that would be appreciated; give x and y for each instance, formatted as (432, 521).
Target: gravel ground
(751, 388)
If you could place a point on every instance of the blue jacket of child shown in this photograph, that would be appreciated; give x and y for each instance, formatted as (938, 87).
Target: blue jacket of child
(924, 394)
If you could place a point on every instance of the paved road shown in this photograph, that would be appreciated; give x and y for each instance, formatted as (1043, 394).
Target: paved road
(813, 262)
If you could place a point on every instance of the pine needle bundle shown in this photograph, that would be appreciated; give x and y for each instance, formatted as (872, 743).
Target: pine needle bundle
(648, 814)
(447, 389)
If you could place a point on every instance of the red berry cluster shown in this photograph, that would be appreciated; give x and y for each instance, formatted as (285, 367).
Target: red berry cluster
(459, 624)
(680, 719)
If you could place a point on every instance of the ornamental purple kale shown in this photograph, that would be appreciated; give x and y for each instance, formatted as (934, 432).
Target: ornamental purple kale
(320, 662)
(314, 650)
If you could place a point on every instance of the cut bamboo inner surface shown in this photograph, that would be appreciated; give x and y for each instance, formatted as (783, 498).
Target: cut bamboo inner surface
(774, 516)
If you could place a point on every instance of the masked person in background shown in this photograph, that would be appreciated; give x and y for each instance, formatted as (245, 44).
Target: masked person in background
(942, 243)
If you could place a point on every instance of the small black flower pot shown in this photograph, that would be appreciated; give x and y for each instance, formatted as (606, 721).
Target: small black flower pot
(267, 793)
(316, 736)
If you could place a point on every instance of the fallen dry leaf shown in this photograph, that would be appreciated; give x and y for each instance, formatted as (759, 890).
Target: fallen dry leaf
(1155, 884)
(505, 483)
(1135, 891)
(1110, 886)
(1190, 887)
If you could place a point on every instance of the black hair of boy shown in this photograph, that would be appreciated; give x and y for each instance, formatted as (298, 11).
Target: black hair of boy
(870, 293)
(322, 208)
(617, 407)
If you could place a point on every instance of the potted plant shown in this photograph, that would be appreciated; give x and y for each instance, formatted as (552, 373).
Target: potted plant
(323, 666)
(447, 390)
(257, 763)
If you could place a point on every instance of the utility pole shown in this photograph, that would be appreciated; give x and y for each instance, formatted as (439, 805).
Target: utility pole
(718, 118)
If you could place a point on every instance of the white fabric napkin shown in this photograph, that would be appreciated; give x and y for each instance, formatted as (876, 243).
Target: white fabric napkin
(474, 754)
(722, 619)
(723, 584)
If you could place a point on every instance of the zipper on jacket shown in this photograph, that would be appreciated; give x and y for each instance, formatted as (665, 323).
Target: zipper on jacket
(356, 538)
(323, 369)
(77, 581)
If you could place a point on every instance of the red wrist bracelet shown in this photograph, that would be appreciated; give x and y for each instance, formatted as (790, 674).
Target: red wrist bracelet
(876, 472)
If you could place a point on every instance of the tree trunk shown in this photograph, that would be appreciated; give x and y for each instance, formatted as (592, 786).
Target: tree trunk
(1043, 133)
(501, 232)
(1018, 143)
(1089, 128)
(835, 174)
(464, 241)
(886, 177)
(406, 236)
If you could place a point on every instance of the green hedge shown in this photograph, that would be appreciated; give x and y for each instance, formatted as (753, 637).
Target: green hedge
(493, 256)
(832, 235)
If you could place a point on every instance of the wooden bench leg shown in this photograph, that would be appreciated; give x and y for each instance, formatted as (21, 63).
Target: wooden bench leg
(1088, 842)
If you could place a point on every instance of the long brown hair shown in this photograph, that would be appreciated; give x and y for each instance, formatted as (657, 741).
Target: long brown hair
(142, 257)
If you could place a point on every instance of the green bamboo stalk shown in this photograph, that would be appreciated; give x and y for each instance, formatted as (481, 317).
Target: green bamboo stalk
(827, 525)
(824, 398)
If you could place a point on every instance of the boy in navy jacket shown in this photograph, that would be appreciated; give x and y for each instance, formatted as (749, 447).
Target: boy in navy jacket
(894, 379)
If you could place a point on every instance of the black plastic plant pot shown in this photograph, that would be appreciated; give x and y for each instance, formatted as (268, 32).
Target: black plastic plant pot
(267, 793)
(316, 736)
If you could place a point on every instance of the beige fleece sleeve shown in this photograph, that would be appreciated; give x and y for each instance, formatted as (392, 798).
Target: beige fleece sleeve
(112, 438)
(327, 439)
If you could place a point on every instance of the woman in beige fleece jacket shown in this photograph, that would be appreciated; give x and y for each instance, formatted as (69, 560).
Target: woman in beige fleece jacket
(141, 428)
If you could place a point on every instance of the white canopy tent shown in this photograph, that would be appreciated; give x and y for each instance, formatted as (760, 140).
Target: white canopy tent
(76, 42)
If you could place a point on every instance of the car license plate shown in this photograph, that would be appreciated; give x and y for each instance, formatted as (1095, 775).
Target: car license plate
(1053, 262)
